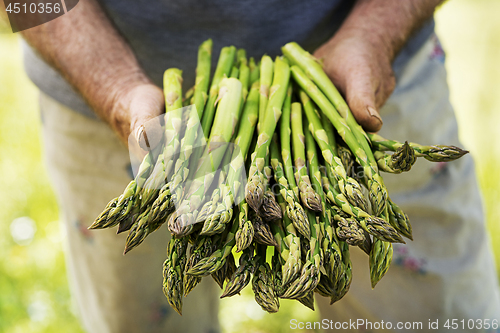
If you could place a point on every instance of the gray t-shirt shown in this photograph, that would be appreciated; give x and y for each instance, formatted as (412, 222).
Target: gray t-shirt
(167, 33)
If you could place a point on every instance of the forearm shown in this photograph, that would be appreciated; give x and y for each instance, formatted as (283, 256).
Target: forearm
(87, 50)
(388, 23)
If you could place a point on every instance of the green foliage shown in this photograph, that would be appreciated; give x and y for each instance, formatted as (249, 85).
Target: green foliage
(34, 294)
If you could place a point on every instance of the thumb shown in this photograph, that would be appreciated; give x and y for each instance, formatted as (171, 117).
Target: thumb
(362, 101)
(146, 108)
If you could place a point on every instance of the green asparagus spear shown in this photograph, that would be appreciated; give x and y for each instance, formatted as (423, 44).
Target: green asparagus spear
(213, 263)
(202, 76)
(380, 260)
(255, 187)
(182, 220)
(309, 197)
(347, 185)
(401, 161)
(173, 269)
(293, 209)
(262, 284)
(254, 71)
(224, 66)
(399, 220)
(243, 274)
(373, 225)
(375, 184)
(266, 78)
(435, 153)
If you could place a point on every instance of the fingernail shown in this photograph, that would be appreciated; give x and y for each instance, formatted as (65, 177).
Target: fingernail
(142, 138)
(374, 113)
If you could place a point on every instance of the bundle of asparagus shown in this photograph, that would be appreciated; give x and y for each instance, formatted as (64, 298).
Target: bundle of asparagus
(292, 219)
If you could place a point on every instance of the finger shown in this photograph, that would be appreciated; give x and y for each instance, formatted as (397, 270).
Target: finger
(361, 97)
(146, 110)
(149, 134)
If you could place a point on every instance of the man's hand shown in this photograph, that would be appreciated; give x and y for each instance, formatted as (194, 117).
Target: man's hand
(87, 50)
(358, 58)
(362, 71)
(133, 111)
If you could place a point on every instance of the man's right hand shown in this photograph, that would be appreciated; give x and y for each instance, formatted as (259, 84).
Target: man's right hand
(133, 111)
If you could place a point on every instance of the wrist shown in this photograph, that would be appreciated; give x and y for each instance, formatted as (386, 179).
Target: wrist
(375, 39)
(112, 105)
(387, 24)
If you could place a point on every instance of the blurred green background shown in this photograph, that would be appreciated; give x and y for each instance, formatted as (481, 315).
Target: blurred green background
(34, 294)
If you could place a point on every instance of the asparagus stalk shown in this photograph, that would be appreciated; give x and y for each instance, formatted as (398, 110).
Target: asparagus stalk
(181, 222)
(262, 284)
(245, 233)
(347, 185)
(203, 248)
(173, 271)
(270, 210)
(313, 69)
(224, 66)
(375, 184)
(213, 212)
(310, 274)
(276, 265)
(346, 157)
(309, 197)
(285, 134)
(230, 269)
(293, 209)
(202, 76)
(262, 231)
(255, 187)
(163, 205)
(213, 263)
(348, 229)
(188, 97)
(435, 153)
(241, 57)
(399, 220)
(172, 81)
(315, 175)
(380, 260)
(373, 225)
(344, 283)
(331, 250)
(401, 161)
(231, 188)
(366, 246)
(311, 270)
(330, 134)
(307, 282)
(289, 245)
(254, 71)
(140, 230)
(193, 133)
(325, 286)
(244, 78)
(241, 278)
(266, 78)
(235, 72)
(308, 300)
